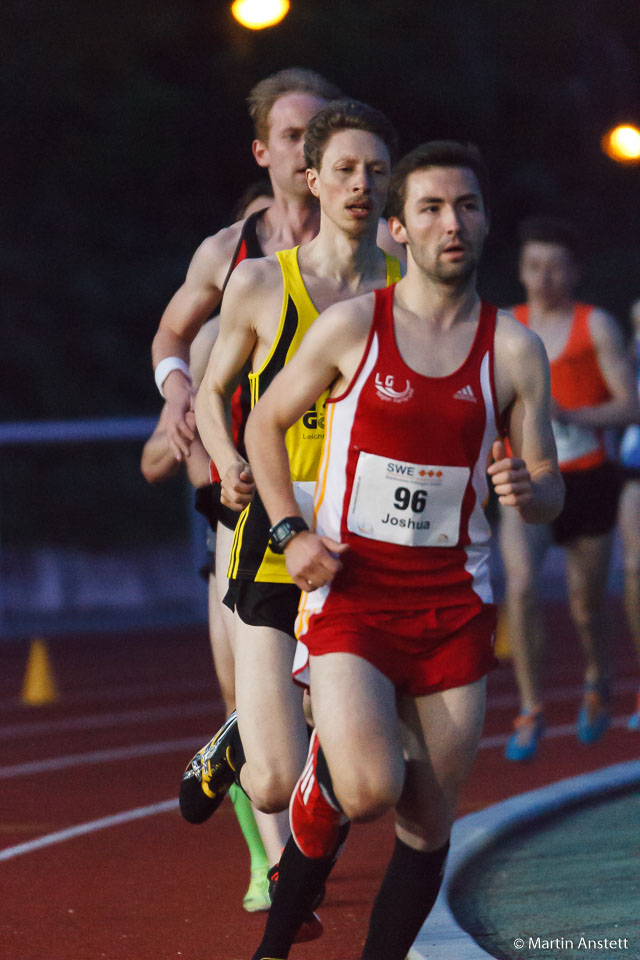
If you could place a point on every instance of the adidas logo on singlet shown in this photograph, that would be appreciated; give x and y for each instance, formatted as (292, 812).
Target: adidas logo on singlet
(465, 394)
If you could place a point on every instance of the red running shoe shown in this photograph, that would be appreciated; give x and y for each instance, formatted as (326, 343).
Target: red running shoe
(310, 929)
(314, 820)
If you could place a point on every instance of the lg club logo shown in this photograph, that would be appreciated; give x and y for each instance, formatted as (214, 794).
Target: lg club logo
(386, 389)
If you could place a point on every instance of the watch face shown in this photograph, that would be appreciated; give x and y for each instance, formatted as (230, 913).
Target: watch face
(280, 535)
(284, 531)
(281, 531)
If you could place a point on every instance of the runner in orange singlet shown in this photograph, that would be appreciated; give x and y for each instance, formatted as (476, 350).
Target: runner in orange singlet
(592, 387)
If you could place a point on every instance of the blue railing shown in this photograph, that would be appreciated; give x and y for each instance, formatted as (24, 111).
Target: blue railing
(49, 589)
(76, 431)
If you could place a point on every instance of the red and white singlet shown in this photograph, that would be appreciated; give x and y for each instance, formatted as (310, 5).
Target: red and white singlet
(403, 481)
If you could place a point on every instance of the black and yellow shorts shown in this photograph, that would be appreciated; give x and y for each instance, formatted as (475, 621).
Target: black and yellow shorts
(262, 604)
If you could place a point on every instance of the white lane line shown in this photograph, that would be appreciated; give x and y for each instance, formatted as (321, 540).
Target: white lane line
(91, 826)
(188, 744)
(100, 721)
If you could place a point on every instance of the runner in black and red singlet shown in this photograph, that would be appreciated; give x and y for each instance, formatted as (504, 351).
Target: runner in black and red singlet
(280, 106)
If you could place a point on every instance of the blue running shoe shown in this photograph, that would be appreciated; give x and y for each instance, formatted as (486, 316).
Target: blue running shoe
(523, 742)
(633, 723)
(594, 717)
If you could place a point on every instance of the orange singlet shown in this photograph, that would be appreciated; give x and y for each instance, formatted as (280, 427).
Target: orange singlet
(576, 381)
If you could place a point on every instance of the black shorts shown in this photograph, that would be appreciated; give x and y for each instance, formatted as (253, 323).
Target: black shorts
(208, 568)
(628, 473)
(207, 502)
(264, 604)
(590, 505)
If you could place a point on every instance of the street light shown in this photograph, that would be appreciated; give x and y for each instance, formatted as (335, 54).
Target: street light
(622, 144)
(258, 14)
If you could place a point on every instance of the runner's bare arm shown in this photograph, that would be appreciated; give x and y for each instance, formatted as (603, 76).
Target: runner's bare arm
(158, 463)
(186, 312)
(248, 293)
(201, 350)
(529, 480)
(618, 371)
(199, 464)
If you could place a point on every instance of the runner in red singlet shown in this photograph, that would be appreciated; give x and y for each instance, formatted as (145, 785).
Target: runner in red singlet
(405, 478)
(397, 614)
(592, 387)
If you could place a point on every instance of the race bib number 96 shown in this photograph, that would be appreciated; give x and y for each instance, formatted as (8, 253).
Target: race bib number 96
(411, 504)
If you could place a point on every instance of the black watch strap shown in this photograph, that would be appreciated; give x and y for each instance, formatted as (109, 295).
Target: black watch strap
(284, 531)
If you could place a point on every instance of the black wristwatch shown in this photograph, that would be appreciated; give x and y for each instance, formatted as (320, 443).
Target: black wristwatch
(284, 531)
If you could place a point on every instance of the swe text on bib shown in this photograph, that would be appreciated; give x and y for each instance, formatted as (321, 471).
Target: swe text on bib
(411, 504)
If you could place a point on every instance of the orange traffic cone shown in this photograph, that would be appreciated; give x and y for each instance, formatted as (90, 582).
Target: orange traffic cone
(39, 685)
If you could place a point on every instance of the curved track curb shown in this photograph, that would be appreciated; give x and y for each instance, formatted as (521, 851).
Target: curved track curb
(441, 936)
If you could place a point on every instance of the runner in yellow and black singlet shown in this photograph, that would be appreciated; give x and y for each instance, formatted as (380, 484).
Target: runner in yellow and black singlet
(251, 556)
(268, 307)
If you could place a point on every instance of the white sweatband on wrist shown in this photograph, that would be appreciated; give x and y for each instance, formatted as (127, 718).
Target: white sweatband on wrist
(165, 367)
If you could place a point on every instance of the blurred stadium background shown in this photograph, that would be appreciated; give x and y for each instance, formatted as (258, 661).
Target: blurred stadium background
(127, 142)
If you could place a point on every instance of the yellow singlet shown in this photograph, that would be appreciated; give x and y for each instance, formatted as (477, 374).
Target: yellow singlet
(251, 556)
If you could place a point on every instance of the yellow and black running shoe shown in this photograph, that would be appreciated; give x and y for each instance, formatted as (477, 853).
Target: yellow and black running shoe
(211, 772)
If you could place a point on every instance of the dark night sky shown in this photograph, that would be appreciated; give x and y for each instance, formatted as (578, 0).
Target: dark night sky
(128, 142)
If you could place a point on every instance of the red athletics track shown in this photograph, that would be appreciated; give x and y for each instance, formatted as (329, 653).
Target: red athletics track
(132, 710)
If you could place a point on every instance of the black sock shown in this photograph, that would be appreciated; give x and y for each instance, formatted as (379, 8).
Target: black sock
(300, 880)
(404, 901)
